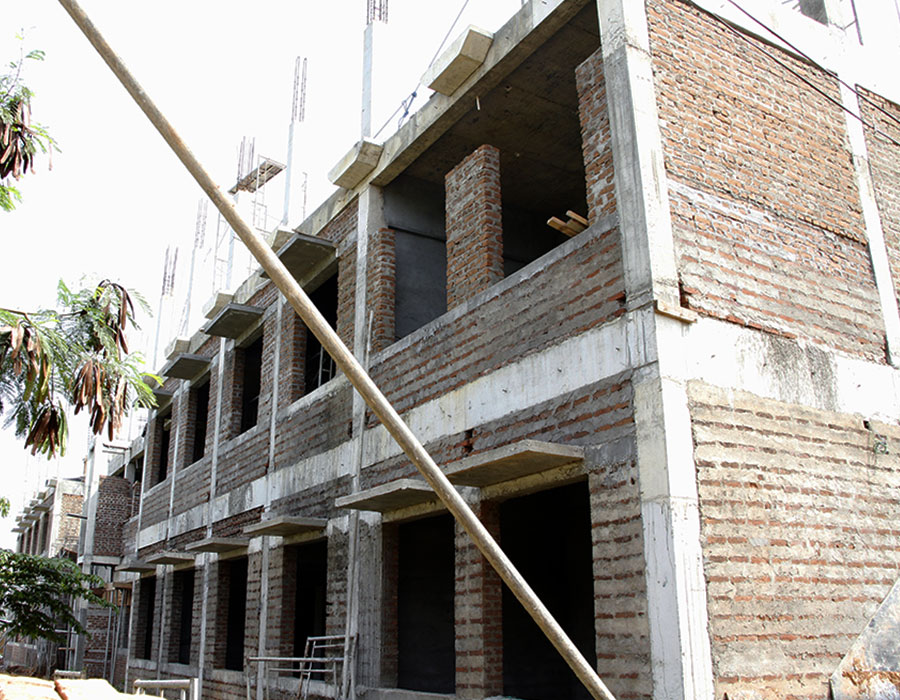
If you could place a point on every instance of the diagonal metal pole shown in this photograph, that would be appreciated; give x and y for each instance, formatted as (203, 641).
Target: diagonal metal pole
(351, 368)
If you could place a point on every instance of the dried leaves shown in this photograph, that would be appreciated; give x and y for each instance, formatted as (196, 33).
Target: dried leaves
(79, 357)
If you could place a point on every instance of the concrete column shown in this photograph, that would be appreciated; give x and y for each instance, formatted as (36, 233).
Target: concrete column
(676, 596)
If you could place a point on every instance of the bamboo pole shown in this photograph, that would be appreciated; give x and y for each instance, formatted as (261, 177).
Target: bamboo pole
(351, 368)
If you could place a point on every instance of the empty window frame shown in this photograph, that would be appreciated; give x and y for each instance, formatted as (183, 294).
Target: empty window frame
(426, 658)
(199, 407)
(163, 443)
(181, 632)
(251, 383)
(318, 365)
(232, 601)
(145, 618)
(553, 553)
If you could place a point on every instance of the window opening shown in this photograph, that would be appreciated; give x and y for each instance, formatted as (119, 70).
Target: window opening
(200, 402)
(553, 553)
(251, 384)
(425, 596)
(319, 367)
(165, 438)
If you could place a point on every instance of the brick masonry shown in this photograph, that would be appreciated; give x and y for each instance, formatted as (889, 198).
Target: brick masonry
(474, 225)
(763, 239)
(800, 540)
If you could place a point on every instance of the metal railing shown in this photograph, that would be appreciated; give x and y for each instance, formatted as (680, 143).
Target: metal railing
(323, 659)
(189, 688)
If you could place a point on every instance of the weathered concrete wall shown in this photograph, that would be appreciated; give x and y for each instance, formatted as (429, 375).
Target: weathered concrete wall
(799, 539)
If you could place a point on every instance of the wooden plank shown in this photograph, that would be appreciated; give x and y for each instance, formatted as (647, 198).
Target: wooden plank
(561, 226)
(577, 217)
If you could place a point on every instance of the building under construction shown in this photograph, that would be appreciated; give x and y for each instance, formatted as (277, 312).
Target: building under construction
(631, 277)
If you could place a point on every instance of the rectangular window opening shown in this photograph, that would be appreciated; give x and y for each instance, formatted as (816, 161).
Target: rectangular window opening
(319, 367)
(164, 434)
(199, 402)
(548, 550)
(426, 657)
(251, 384)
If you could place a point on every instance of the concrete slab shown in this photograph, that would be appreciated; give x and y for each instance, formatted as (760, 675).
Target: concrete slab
(233, 320)
(356, 164)
(309, 259)
(184, 366)
(216, 303)
(285, 525)
(218, 544)
(397, 494)
(512, 461)
(166, 558)
(459, 61)
(25, 688)
(177, 346)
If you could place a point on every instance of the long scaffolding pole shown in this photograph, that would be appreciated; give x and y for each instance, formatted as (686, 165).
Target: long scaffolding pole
(351, 368)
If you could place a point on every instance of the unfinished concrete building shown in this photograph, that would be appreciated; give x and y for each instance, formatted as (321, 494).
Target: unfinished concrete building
(676, 407)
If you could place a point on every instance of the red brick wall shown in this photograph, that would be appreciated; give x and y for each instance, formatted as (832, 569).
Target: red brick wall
(478, 614)
(113, 510)
(474, 225)
(884, 165)
(595, 137)
(69, 528)
(381, 283)
(765, 212)
(799, 534)
(580, 289)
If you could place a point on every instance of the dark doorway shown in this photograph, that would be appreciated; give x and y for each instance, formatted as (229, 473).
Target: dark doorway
(200, 402)
(146, 610)
(548, 537)
(183, 616)
(309, 602)
(425, 589)
(236, 580)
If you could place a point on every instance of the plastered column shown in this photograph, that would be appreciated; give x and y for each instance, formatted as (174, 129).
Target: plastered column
(676, 596)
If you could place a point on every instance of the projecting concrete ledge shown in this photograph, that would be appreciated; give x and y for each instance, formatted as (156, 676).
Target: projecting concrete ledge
(184, 366)
(165, 558)
(309, 259)
(397, 494)
(512, 461)
(458, 62)
(137, 566)
(219, 545)
(233, 320)
(359, 162)
(285, 525)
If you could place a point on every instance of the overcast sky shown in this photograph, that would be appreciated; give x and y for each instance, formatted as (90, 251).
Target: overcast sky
(116, 196)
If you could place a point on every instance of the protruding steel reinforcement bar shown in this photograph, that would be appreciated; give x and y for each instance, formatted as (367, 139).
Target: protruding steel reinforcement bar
(350, 367)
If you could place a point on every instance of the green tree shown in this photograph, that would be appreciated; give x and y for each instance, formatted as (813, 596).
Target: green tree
(20, 139)
(36, 595)
(75, 357)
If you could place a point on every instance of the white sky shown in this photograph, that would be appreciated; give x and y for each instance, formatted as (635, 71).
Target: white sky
(219, 71)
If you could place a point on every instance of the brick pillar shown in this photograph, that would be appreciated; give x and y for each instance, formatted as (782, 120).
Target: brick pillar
(381, 280)
(292, 363)
(474, 225)
(478, 615)
(595, 137)
(346, 290)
